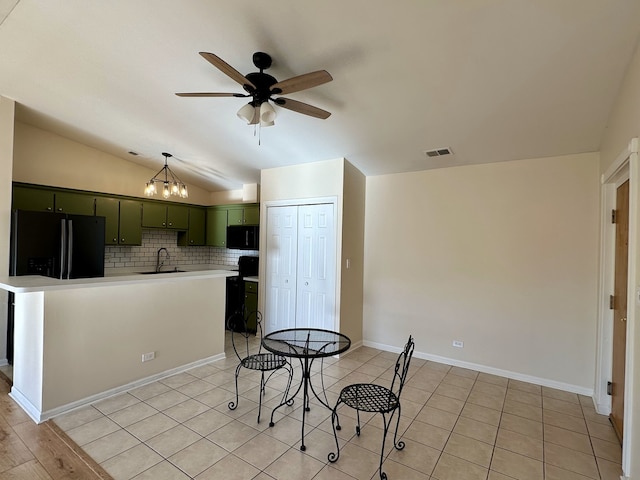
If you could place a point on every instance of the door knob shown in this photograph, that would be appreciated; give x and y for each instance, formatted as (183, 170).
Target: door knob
(623, 319)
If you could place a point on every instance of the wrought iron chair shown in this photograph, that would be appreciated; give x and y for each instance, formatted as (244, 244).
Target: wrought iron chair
(373, 398)
(243, 327)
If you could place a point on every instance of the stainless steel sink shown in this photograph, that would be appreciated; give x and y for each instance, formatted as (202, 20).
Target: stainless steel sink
(162, 271)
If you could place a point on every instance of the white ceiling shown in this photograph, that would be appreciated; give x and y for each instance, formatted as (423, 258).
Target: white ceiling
(494, 80)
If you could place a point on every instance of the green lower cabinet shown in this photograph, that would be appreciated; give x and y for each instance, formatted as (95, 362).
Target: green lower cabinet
(195, 234)
(251, 304)
(31, 198)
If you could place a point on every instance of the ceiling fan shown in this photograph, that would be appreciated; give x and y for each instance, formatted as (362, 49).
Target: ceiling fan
(261, 87)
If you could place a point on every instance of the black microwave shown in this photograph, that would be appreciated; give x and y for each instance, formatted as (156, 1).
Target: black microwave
(243, 237)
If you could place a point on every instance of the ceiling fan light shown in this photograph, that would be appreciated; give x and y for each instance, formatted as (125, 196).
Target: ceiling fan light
(247, 113)
(266, 124)
(267, 114)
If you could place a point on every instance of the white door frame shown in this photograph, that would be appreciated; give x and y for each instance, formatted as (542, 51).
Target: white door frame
(333, 200)
(624, 168)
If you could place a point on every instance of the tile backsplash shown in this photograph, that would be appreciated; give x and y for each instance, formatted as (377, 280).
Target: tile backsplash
(144, 256)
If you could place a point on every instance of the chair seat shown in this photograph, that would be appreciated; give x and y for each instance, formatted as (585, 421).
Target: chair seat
(263, 362)
(369, 397)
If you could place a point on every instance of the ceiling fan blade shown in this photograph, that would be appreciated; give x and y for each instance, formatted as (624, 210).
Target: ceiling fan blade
(227, 69)
(206, 94)
(303, 108)
(301, 82)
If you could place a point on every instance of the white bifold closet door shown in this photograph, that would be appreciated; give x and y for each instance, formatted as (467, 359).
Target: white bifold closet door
(301, 267)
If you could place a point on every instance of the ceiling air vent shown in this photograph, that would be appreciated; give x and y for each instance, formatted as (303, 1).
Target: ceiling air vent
(439, 152)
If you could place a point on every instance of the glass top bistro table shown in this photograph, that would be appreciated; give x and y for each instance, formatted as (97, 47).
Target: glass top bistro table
(305, 344)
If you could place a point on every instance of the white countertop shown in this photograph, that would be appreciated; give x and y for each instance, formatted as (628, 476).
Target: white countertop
(36, 283)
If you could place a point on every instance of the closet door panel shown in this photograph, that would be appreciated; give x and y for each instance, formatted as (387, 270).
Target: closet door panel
(316, 267)
(281, 257)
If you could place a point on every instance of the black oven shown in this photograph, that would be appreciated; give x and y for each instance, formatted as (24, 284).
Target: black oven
(247, 267)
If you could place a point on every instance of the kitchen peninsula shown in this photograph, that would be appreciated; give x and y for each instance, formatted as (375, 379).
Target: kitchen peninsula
(78, 341)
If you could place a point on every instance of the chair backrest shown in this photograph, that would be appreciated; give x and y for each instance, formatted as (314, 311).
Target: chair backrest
(402, 367)
(246, 331)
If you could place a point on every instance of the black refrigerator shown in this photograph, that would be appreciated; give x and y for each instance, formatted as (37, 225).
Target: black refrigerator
(54, 245)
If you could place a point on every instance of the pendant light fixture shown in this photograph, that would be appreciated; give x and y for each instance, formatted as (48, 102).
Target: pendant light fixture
(171, 184)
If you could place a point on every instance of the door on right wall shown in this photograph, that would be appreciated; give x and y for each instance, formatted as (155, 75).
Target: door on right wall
(300, 267)
(620, 309)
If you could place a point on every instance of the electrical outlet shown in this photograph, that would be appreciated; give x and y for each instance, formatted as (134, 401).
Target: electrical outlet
(148, 356)
(458, 343)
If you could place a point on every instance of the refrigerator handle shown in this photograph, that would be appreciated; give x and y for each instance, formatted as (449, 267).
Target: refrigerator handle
(13, 265)
(70, 249)
(63, 247)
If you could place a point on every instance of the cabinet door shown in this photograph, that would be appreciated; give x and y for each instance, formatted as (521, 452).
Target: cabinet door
(178, 217)
(110, 209)
(251, 215)
(75, 203)
(250, 304)
(216, 227)
(154, 215)
(235, 216)
(130, 226)
(26, 198)
(197, 221)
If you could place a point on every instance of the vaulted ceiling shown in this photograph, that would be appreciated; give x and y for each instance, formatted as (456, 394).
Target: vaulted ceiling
(494, 80)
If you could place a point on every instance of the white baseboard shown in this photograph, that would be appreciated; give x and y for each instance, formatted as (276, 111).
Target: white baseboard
(40, 417)
(545, 382)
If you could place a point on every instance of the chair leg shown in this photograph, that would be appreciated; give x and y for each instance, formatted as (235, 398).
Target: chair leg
(260, 394)
(233, 405)
(358, 424)
(335, 422)
(398, 444)
(383, 475)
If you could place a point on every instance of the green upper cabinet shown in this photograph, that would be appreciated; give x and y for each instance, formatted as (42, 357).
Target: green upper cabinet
(109, 208)
(130, 224)
(32, 198)
(216, 235)
(195, 234)
(75, 203)
(154, 215)
(243, 215)
(122, 220)
(161, 215)
(251, 215)
(178, 217)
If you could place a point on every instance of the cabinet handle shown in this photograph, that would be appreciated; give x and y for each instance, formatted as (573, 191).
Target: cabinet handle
(122, 240)
(170, 224)
(115, 240)
(59, 209)
(49, 209)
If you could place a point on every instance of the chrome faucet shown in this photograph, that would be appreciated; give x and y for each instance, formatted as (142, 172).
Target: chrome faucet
(158, 263)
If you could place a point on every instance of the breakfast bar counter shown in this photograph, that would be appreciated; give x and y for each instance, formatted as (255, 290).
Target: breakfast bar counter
(78, 341)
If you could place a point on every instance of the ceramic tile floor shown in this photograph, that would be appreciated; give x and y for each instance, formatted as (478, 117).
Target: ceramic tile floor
(457, 424)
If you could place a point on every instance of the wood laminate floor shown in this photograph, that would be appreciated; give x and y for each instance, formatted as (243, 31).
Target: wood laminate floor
(38, 452)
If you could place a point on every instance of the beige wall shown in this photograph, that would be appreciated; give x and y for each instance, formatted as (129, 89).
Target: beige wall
(624, 120)
(501, 256)
(353, 251)
(623, 125)
(7, 112)
(45, 158)
(330, 178)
